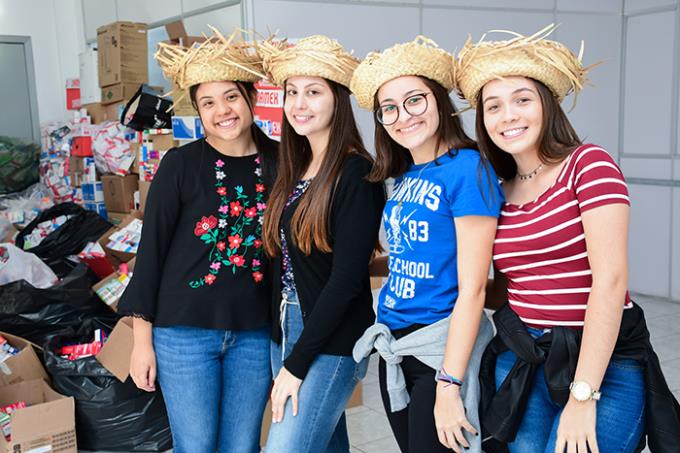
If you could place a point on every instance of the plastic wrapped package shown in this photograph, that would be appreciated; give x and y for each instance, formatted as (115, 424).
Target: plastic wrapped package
(15, 265)
(18, 164)
(110, 415)
(21, 208)
(111, 147)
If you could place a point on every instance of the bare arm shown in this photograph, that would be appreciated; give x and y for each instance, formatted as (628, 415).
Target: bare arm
(143, 358)
(474, 236)
(606, 232)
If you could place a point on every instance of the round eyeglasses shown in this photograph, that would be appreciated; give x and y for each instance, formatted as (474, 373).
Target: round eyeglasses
(414, 105)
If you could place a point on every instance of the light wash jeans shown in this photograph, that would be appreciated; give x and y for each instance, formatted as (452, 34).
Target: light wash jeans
(320, 424)
(215, 385)
(620, 412)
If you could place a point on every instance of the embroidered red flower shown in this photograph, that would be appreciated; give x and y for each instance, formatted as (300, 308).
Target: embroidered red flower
(237, 260)
(222, 191)
(221, 246)
(235, 241)
(251, 212)
(209, 279)
(257, 243)
(258, 276)
(206, 224)
(236, 208)
(259, 187)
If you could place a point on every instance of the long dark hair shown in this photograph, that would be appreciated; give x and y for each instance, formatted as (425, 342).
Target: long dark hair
(556, 140)
(310, 221)
(266, 147)
(392, 159)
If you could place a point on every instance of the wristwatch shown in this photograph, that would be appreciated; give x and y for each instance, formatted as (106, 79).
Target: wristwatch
(582, 391)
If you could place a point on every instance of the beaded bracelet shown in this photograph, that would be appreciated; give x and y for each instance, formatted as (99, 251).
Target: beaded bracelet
(443, 376)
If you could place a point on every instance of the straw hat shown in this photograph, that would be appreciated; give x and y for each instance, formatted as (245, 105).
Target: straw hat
(420, 57)
(315, 56)
(217, 59)
(536, 57)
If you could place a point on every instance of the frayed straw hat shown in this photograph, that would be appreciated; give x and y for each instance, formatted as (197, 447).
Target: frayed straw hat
(217, 59)
(536, 57)
(313, 56)
(420, 57)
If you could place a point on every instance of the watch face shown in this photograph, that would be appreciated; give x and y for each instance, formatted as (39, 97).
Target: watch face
(581, 391)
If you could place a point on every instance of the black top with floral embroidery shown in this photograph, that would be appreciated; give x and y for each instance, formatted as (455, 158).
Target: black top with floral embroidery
(200, 261)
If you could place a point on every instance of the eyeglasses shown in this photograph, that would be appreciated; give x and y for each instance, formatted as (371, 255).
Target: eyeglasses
(414, 105)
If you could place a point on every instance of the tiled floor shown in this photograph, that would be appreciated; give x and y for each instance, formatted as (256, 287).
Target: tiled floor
(369, 431)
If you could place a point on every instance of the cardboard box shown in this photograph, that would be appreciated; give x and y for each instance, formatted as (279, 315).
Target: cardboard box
(24, 366)
(187, 127)
(89, 78)
(113, 112)
(93, 192)
(81, 146)
(115, 354)
(119, 192)
(116, 256)
(97, 206)
(177, 34)
(107, 281)
(73, 94)
(48, 424)
(143, 193)
(160, 142)
(120, 92)
(96, 111)
(122, 53)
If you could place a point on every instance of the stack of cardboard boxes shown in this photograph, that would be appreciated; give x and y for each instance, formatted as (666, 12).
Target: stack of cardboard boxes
(47, 422)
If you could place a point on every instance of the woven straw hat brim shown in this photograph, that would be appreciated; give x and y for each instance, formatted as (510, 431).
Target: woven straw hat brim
(535, 57)
(313, 56)
(217, 59)
(420, 57)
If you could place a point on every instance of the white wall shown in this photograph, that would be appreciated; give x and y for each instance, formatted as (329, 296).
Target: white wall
(55, 28)
(650, 152)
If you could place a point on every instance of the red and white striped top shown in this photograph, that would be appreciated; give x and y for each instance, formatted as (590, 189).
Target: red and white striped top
(540, 246)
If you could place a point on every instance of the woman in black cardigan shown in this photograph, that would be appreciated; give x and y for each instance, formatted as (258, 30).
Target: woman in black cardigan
(321, 228)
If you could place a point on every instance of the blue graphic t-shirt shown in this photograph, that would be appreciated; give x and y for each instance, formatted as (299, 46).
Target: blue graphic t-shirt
(422, 286)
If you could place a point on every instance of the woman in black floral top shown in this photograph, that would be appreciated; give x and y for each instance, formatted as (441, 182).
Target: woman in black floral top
(200, 293)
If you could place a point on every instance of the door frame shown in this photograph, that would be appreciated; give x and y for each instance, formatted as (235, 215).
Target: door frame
(30, 75)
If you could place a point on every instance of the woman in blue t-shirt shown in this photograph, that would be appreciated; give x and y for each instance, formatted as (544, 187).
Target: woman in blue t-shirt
(440, 222)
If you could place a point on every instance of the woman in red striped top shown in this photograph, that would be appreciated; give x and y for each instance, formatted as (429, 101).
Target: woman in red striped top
(560, 259)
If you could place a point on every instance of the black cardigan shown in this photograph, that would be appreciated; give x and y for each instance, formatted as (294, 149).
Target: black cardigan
(334, 288)
(501, 411)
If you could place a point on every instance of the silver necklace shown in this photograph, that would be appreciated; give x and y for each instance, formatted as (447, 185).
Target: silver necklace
(531, 174)
(408, 189)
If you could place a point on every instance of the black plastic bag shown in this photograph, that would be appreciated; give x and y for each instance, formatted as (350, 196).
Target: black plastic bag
(70, 238)
(35, 314)
(147, 110)
(110, 415)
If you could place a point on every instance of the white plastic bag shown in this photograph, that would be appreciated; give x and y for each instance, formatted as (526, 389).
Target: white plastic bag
(15, 264)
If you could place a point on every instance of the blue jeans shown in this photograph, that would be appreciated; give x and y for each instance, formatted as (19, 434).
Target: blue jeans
(320, 424)
(620, 412)
(215, 385)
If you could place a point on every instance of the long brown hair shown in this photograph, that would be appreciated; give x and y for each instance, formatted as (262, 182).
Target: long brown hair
(266, 147)
(310, 221)
(556, 140)
(392, 159)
